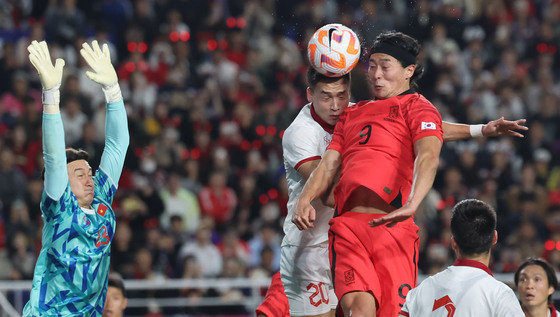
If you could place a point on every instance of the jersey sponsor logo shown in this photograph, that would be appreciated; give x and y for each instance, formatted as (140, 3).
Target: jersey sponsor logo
(428, 126)
(320, 289)
(349, 276)
(393, 114)
(101, 210)
(446, 302)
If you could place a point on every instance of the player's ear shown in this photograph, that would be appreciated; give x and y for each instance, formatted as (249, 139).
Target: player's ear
(454, 245)
(309, 94)
(410, 70)
(495, 238)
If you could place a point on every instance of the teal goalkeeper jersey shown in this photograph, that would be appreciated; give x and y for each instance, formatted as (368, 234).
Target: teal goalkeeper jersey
(72, 269)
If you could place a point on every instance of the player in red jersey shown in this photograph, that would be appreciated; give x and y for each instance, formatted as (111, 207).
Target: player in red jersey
(275, 302)
(388, 151)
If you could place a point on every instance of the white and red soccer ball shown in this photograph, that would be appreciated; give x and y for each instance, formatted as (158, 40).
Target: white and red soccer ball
(333, 50)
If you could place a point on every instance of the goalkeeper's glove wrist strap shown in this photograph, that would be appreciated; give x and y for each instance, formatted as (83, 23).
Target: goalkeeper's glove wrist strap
(112, 93)
(51, 96)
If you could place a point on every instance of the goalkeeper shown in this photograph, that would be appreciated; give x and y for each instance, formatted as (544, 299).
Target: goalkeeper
(72, 270)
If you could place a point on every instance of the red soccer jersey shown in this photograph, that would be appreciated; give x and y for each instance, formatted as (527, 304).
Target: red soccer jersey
(376, 141)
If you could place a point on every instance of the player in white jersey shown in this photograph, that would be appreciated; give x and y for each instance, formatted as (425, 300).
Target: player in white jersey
(467, 288)
(304, 265)
(536, 281)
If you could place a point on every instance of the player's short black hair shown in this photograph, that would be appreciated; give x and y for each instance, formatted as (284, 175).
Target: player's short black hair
(405, 42)
(76, 154)
(72, 155)
(550, 273)
(115, 280)
(314, 77)
(473, 224)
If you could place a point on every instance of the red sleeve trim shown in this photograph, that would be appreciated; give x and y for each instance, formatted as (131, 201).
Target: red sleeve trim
(404, 313)
(313, 158)
(335, 147)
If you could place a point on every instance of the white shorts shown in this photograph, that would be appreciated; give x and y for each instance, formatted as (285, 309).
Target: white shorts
(306, 275)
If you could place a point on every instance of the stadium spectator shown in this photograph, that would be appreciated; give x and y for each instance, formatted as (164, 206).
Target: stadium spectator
(180, 202)
(217, 200)
(205, 253)
(13, 182)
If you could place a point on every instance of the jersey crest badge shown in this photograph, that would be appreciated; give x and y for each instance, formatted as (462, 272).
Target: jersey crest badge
(393, 114)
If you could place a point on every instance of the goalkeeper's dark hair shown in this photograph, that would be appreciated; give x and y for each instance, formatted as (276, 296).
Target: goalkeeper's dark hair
(473, 224)
(72, 155)
(314, 77)
(549, 270)
(403, 42)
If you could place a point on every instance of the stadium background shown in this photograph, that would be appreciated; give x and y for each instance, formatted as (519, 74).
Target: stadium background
(209, 88)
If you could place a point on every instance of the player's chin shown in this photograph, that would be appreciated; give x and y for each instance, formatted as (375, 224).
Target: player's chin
(108, 313)
(333, 119)
(89, 199)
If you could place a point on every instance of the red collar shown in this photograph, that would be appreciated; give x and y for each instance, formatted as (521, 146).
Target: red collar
(553, 311)
(471, 263)
(327, 127)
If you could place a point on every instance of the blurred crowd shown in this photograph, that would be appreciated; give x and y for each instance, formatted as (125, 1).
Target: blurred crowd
(210, 86)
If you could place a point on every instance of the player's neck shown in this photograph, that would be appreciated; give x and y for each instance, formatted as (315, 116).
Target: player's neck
(536, 311)
(86, 206)
(483, 258)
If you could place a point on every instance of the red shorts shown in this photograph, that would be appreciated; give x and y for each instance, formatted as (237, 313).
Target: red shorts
(381, 260)
(275, 301)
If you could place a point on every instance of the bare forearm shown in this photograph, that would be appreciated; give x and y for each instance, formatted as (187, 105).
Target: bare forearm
(319, 181)
(455, 131)
(328, 196)
(425, 168)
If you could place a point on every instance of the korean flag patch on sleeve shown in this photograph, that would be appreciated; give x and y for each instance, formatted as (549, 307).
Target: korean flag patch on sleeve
(428, 126)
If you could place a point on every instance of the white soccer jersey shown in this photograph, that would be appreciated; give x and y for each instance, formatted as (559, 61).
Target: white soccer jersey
(306, 139)
(465, 289)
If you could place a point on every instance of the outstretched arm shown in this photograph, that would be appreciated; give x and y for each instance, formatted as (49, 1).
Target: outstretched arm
(456, 131)
(116, 124)
(316, 185)
(54, 154)
(427, 151)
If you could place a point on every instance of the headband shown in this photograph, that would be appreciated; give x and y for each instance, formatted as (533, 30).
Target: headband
(397, 52)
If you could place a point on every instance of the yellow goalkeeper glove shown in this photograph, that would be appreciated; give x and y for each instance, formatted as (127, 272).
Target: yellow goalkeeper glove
(103, 71)
(49, 74)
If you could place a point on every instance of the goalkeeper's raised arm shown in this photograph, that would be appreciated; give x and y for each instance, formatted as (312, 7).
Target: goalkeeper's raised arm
(116, 125)
(56, 177)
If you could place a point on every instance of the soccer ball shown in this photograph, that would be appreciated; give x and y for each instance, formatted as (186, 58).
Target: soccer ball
(333, 50)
